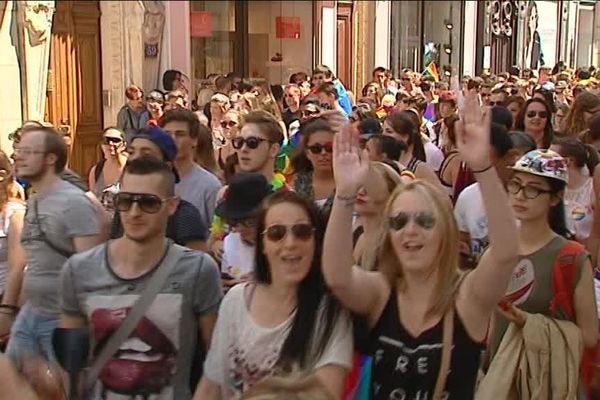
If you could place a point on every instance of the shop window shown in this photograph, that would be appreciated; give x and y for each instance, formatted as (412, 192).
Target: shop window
(279, 39)
(212, 29)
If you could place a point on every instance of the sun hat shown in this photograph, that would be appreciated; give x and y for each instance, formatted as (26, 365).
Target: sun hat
(546, 163)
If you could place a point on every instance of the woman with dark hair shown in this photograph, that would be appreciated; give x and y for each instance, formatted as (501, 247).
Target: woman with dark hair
(535, 119)
(205, 152)
(401, 126)
(452, 163)
(373, 91)
(313, 172)
(580, 196)
(285, 320)
(583, 108)
(536, 195)
(108, 171)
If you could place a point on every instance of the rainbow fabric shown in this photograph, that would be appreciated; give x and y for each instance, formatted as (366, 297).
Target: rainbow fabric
(358, 383)
(432, 70)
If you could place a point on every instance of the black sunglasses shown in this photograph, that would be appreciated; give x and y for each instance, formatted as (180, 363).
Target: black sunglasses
(496, 103)
(320, 148)
(251, 141)
(425, 220)
(148, 203)
(541, 114)
(278, 232)
(111, 140)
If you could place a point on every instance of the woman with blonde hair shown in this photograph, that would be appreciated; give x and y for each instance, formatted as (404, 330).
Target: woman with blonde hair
(427, 324)
(371, 199)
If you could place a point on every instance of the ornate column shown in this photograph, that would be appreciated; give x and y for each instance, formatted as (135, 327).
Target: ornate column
(502, 15)
(34, 25)
(152, 33)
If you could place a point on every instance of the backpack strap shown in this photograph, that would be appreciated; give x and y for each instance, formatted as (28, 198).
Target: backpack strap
(564, 274)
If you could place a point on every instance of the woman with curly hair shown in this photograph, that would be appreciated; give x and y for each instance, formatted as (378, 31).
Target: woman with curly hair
(584, 106)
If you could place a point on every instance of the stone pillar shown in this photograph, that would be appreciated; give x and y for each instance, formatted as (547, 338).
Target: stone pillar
(10, 76)
(364, 39)
(35, 23)
(152, 34)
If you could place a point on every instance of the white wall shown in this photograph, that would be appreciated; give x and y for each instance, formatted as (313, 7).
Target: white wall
(329, 37)
(10, 79)
(470, 38)
(548, 30)
(383, 14)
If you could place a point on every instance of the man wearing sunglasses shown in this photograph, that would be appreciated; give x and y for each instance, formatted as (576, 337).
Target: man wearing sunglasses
(185, 227)
(100, 287)
(257, 147)
(60, 221)
(196, 185)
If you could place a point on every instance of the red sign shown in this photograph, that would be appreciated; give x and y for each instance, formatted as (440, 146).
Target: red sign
(200, 24)
(287, 27)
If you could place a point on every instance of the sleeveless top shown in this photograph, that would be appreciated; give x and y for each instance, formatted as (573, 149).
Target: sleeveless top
(405, 367)
(303, 185)
(99, 178)
(449, 186)
(11, 207)
(413, 164)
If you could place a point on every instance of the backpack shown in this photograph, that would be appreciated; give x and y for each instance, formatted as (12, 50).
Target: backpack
(563, 284)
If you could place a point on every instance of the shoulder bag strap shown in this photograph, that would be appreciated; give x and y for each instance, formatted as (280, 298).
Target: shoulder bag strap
(446, 354)
(140, 307)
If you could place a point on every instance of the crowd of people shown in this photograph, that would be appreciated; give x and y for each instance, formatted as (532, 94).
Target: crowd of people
(421, 239)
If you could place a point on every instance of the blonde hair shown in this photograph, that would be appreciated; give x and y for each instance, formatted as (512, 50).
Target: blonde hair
(368, 259)
(446, 260)
(293, 387)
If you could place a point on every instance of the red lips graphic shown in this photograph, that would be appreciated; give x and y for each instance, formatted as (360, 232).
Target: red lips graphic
(131, 371)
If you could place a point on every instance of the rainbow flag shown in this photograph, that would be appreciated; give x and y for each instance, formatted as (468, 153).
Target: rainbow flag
(432, 70)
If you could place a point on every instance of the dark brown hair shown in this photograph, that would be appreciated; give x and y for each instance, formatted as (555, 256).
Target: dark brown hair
(267, 124)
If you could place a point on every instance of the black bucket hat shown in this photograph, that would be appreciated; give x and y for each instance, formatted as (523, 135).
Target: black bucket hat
(243, 197)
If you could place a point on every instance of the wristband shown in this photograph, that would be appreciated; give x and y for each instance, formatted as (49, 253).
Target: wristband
(347, 200)
(12, 308)
(483, 170)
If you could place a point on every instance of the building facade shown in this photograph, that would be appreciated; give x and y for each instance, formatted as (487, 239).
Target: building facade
(69, 62)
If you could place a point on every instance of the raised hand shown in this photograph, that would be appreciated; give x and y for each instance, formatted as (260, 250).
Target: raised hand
(473, 134)
(350, 163)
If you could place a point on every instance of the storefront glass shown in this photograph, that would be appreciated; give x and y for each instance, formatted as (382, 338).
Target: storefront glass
(279, 39)
(432, 24)
(212, 26)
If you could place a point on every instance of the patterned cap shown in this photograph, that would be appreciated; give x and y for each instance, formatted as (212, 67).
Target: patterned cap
(545, 163)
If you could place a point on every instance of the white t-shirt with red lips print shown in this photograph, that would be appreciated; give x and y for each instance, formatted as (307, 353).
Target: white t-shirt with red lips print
(155, 361)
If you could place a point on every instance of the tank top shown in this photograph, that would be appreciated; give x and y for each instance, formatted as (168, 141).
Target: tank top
(11, 207)
(413, 164)
(405, 367)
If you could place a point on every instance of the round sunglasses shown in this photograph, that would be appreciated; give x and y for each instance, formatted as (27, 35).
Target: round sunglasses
(148, 203)
(278, 232)
(425, 220)
(321, 148)
(251, 141)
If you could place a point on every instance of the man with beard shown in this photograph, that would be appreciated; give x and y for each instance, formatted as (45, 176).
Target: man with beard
(100, 286)
(60, 221)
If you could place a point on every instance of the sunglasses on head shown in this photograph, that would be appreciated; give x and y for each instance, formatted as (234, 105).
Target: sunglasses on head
(111, 140)
(278, 232)
(321, 148)
(148, 203)
(228, 124)
(541, 114)
(251, 141)
(425, 220)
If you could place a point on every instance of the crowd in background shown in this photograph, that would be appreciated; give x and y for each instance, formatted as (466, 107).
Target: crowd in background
(408, 241)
